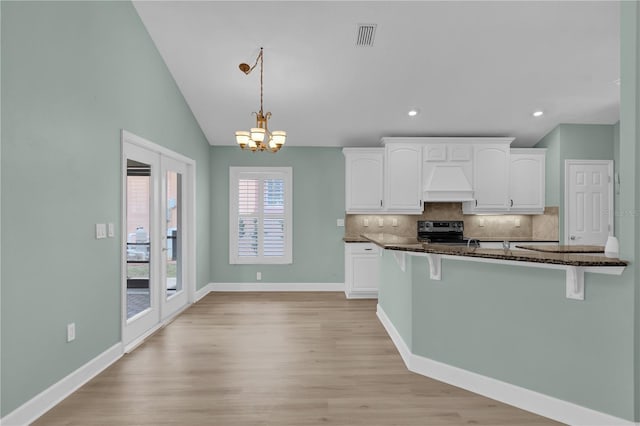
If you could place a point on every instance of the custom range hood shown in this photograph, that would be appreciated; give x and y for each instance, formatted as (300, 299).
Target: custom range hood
(447, 182)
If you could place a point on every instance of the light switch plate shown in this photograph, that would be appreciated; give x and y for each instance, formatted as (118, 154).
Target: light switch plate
(340, 222)
(110, 230)
(101, 231)
(71, 332)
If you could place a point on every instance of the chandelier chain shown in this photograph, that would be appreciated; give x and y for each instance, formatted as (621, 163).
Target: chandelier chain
(261, 73)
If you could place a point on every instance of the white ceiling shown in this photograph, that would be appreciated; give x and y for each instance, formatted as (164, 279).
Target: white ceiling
(472, 68)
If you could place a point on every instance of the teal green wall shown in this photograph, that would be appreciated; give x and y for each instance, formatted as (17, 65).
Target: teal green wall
(552, 165)
(318, 201)
(628, 217)
(616, 172)
(572, 142)
(394, 295)
(74, 74)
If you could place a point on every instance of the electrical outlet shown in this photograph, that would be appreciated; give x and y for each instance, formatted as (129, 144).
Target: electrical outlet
(259, 276)
(71, 332)
(380, 221)
(517, 222)
(340, 223)
(481, 222)
(394, 221)
(365, 222)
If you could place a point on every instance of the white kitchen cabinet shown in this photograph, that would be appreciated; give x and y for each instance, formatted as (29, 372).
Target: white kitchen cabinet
(490, 178)
(403, 176)
(364, 169)
(527, 180)
(361, 274)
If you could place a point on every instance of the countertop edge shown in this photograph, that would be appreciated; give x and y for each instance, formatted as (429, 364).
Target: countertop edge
(570, 259)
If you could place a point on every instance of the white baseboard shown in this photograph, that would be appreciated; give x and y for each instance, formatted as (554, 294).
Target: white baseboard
(402, 347)
(535, 402)
(50, 397)
(203, 292)
(259, 286)
(362, 295)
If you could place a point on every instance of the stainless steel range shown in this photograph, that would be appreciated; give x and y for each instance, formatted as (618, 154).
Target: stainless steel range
(449, 232)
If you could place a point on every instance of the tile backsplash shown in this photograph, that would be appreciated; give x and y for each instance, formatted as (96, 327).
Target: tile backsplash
(538, 227)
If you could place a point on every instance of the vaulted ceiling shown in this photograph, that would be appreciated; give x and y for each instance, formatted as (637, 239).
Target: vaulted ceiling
(471, 68)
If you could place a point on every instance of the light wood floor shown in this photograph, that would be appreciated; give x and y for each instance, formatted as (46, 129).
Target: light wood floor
(274, 359)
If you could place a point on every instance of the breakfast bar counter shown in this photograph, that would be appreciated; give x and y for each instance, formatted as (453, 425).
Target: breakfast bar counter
(574, 264)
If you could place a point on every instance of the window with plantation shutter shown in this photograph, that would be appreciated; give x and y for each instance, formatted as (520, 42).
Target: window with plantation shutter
(260, 215)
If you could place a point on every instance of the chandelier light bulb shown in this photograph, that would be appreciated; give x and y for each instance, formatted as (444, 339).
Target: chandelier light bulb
(242, 138)
(279, 137)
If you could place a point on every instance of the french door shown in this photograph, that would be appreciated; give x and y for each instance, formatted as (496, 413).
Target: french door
(173, 296)
(158, 237)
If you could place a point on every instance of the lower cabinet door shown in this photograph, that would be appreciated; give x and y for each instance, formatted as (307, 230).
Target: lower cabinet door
(361, 272)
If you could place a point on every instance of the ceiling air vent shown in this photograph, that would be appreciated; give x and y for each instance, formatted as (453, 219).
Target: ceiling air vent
(366, 32)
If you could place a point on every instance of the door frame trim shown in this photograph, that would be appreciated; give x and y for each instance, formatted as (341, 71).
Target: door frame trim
(567, 180)
(127, 137)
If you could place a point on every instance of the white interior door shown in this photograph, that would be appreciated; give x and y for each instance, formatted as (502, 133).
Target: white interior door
(588, 201)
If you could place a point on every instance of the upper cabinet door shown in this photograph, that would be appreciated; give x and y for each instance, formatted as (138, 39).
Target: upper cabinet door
(363, 180)
(403, 192)
(527, 180)
(491, 177)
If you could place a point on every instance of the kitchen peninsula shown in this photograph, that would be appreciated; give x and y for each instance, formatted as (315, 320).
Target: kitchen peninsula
(499, 322)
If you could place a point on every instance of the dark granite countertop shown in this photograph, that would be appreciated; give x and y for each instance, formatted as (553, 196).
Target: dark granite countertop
(564, 248)
(513, 240)
(352, 239)
(392, 242)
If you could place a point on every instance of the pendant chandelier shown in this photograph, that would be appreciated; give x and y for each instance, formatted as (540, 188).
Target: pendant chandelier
(260, 138)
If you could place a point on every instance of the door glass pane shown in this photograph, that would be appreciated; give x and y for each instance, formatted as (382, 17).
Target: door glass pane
(173, 228)
(138, 244)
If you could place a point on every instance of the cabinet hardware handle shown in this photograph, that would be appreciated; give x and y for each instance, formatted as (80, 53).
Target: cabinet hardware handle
(511, 203)
(380, 203)
(368, 249)
(476, 203)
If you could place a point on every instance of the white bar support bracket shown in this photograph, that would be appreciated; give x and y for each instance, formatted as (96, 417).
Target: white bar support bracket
(435, 266)
(575, 283)
(401, 258)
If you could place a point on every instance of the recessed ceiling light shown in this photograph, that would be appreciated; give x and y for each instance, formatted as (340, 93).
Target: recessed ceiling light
(538, 113)
(413, 112)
